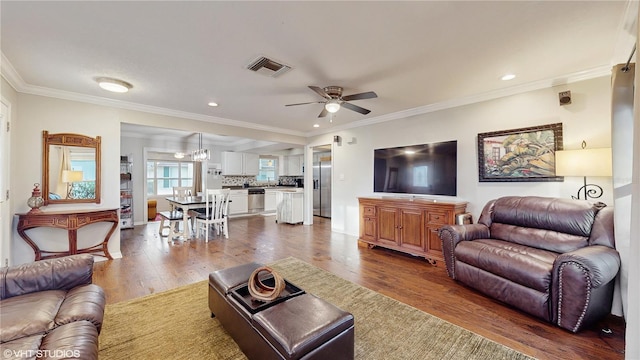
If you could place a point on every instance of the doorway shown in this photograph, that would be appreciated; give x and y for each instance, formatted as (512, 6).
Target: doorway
(322, 181)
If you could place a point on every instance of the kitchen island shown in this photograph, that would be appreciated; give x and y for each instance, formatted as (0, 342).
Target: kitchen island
(289, 205)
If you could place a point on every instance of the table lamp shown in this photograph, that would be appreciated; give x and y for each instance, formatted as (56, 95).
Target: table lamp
(585, 162)
(69, 177)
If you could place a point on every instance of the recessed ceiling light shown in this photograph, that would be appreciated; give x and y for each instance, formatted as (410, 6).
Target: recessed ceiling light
(213, 104)
(114, 85)
(508, 77)
(316, 125)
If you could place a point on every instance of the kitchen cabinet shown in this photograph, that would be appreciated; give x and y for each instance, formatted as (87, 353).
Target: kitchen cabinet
(292, 165)
(238, 163)
(238, 202)
(407, 225)
(270, 200)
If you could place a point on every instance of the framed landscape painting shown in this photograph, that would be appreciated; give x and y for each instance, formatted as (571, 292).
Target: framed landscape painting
(526, 154)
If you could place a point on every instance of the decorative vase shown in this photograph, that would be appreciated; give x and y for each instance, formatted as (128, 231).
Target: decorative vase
(36, 200)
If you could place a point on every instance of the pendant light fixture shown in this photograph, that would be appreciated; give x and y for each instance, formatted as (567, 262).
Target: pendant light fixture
(200, 154)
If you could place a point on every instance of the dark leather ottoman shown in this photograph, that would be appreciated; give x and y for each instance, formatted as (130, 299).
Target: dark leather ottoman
(302, 327)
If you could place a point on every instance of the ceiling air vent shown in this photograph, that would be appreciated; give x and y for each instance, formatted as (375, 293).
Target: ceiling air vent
(268, 67)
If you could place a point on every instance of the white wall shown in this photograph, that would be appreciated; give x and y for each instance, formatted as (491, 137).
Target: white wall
(587, 118)
(42, 113)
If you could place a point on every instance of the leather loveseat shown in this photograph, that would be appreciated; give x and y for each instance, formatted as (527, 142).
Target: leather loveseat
(50, 309)
(552, 258)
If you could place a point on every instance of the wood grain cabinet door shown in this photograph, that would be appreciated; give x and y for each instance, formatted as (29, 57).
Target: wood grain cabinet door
(411, 229)
(369, 224)
(435, 219)
(388, 227)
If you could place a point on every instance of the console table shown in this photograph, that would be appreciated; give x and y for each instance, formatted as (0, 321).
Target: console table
(72, 221)
(407, 225)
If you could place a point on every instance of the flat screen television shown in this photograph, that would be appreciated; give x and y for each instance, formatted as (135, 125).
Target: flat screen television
(429, 169)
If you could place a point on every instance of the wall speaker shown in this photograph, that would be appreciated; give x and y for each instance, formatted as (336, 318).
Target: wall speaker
(564, 97)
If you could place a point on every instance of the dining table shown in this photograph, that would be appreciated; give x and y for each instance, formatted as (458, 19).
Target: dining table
(186, 203)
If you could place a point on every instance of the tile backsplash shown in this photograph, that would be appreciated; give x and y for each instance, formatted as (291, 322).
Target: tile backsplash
(238, 180)
(229, 180)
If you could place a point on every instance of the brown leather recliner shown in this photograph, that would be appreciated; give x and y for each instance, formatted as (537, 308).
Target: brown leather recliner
(50, 309)
(552, 258)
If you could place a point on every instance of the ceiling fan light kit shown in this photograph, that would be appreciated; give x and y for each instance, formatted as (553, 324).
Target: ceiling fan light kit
(332, 106)
(334, 100)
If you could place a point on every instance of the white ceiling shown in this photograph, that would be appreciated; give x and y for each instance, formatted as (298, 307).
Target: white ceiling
(181, 55)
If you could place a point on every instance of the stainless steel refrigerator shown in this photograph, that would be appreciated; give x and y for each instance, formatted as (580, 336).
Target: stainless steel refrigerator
(322, 184)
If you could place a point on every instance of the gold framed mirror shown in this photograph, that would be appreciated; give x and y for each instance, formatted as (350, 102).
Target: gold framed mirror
(70, 168)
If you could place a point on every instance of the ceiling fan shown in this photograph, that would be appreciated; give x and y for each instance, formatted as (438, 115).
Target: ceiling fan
(334, 100)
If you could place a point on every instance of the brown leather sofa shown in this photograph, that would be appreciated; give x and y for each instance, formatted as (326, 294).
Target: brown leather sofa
(552, 258)
(50, 310)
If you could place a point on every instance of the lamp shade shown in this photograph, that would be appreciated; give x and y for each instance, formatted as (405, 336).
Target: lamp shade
(70, 176)
(584, 162)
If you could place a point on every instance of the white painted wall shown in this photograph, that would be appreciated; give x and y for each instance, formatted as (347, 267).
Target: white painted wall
(587, 118)
(38, 113)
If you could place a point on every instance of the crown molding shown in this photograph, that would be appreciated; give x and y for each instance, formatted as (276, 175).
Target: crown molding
(472, 99)
(15, 80)
(9, 73)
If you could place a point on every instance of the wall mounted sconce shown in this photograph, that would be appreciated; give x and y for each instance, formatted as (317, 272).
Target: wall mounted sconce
(585, 162)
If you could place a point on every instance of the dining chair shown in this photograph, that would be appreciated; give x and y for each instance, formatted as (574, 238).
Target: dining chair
(215, 213)
(180, 192)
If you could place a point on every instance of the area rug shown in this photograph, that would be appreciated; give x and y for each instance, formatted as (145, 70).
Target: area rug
(176, 324)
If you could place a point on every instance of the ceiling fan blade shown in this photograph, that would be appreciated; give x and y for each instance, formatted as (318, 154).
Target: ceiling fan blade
(305, 103)
(355, 108)
(320, 92)
(360, 96)
(323, 113)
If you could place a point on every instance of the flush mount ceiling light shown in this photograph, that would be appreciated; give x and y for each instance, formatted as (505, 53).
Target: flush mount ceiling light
(114, 85)
(332, 106)
(508, 77)
(316, 125)
(213, 104)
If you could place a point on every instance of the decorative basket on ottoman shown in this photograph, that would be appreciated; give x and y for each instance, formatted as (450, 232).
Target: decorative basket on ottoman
(296, 325)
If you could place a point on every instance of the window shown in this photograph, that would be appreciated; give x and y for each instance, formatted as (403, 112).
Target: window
(163, 175)
(268, 168)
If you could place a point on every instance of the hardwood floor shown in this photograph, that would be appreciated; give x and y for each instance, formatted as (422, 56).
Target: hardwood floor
(151, 264)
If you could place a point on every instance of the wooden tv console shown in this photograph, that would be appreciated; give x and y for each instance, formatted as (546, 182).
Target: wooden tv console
(407, 225)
